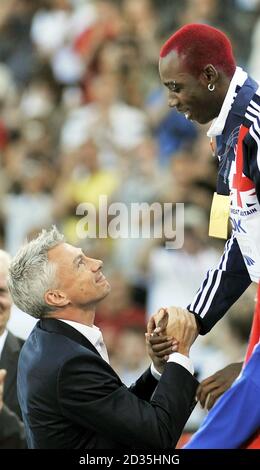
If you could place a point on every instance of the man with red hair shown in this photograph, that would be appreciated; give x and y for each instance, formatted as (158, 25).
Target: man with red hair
(198, 68)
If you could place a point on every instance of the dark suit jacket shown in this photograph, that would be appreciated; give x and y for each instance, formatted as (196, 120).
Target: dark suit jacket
(9, 361)
(72, 399)
(11, 427)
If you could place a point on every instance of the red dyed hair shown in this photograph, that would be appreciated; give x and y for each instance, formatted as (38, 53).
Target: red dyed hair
(198, 45)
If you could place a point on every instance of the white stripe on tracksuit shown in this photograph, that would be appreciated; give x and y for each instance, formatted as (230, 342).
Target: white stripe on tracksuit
(208, 292)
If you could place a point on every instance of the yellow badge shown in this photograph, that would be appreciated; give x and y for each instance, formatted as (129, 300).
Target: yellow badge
(219, 215)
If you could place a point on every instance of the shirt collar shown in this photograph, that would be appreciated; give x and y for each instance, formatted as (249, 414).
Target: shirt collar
(218, 124)
(92, 333)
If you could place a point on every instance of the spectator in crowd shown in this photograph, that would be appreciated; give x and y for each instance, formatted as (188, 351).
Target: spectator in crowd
(11, 427)
(69, 395)
(198, 68)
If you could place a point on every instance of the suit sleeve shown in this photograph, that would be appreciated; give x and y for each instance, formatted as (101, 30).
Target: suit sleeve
(221, 287)
(12, 434)
(96, 399)
(236, 415)
(144, 387)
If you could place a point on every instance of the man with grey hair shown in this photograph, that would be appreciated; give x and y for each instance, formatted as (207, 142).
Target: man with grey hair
(11, 427)
(69, 395)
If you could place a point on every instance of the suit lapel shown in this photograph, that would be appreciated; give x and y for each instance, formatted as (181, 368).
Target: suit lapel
(53, 325)
(56, 326)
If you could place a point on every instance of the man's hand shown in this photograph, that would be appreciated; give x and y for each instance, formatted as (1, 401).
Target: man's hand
(159, 345)
(181, 325)
(214, 386)
(158, 322)
(2, 381)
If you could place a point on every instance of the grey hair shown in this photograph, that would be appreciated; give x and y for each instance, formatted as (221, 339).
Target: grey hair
(31, 274)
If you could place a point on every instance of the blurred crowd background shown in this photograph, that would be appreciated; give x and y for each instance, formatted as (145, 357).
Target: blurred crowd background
(83, 114)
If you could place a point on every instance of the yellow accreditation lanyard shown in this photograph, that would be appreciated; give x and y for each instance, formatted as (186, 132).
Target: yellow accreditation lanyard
(219, 213)
(219, 216)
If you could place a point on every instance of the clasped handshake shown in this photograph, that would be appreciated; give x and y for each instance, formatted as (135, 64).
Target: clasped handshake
(172, 329)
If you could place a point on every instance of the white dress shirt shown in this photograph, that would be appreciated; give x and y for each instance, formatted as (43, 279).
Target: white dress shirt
(178, 358)
(93, 334)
